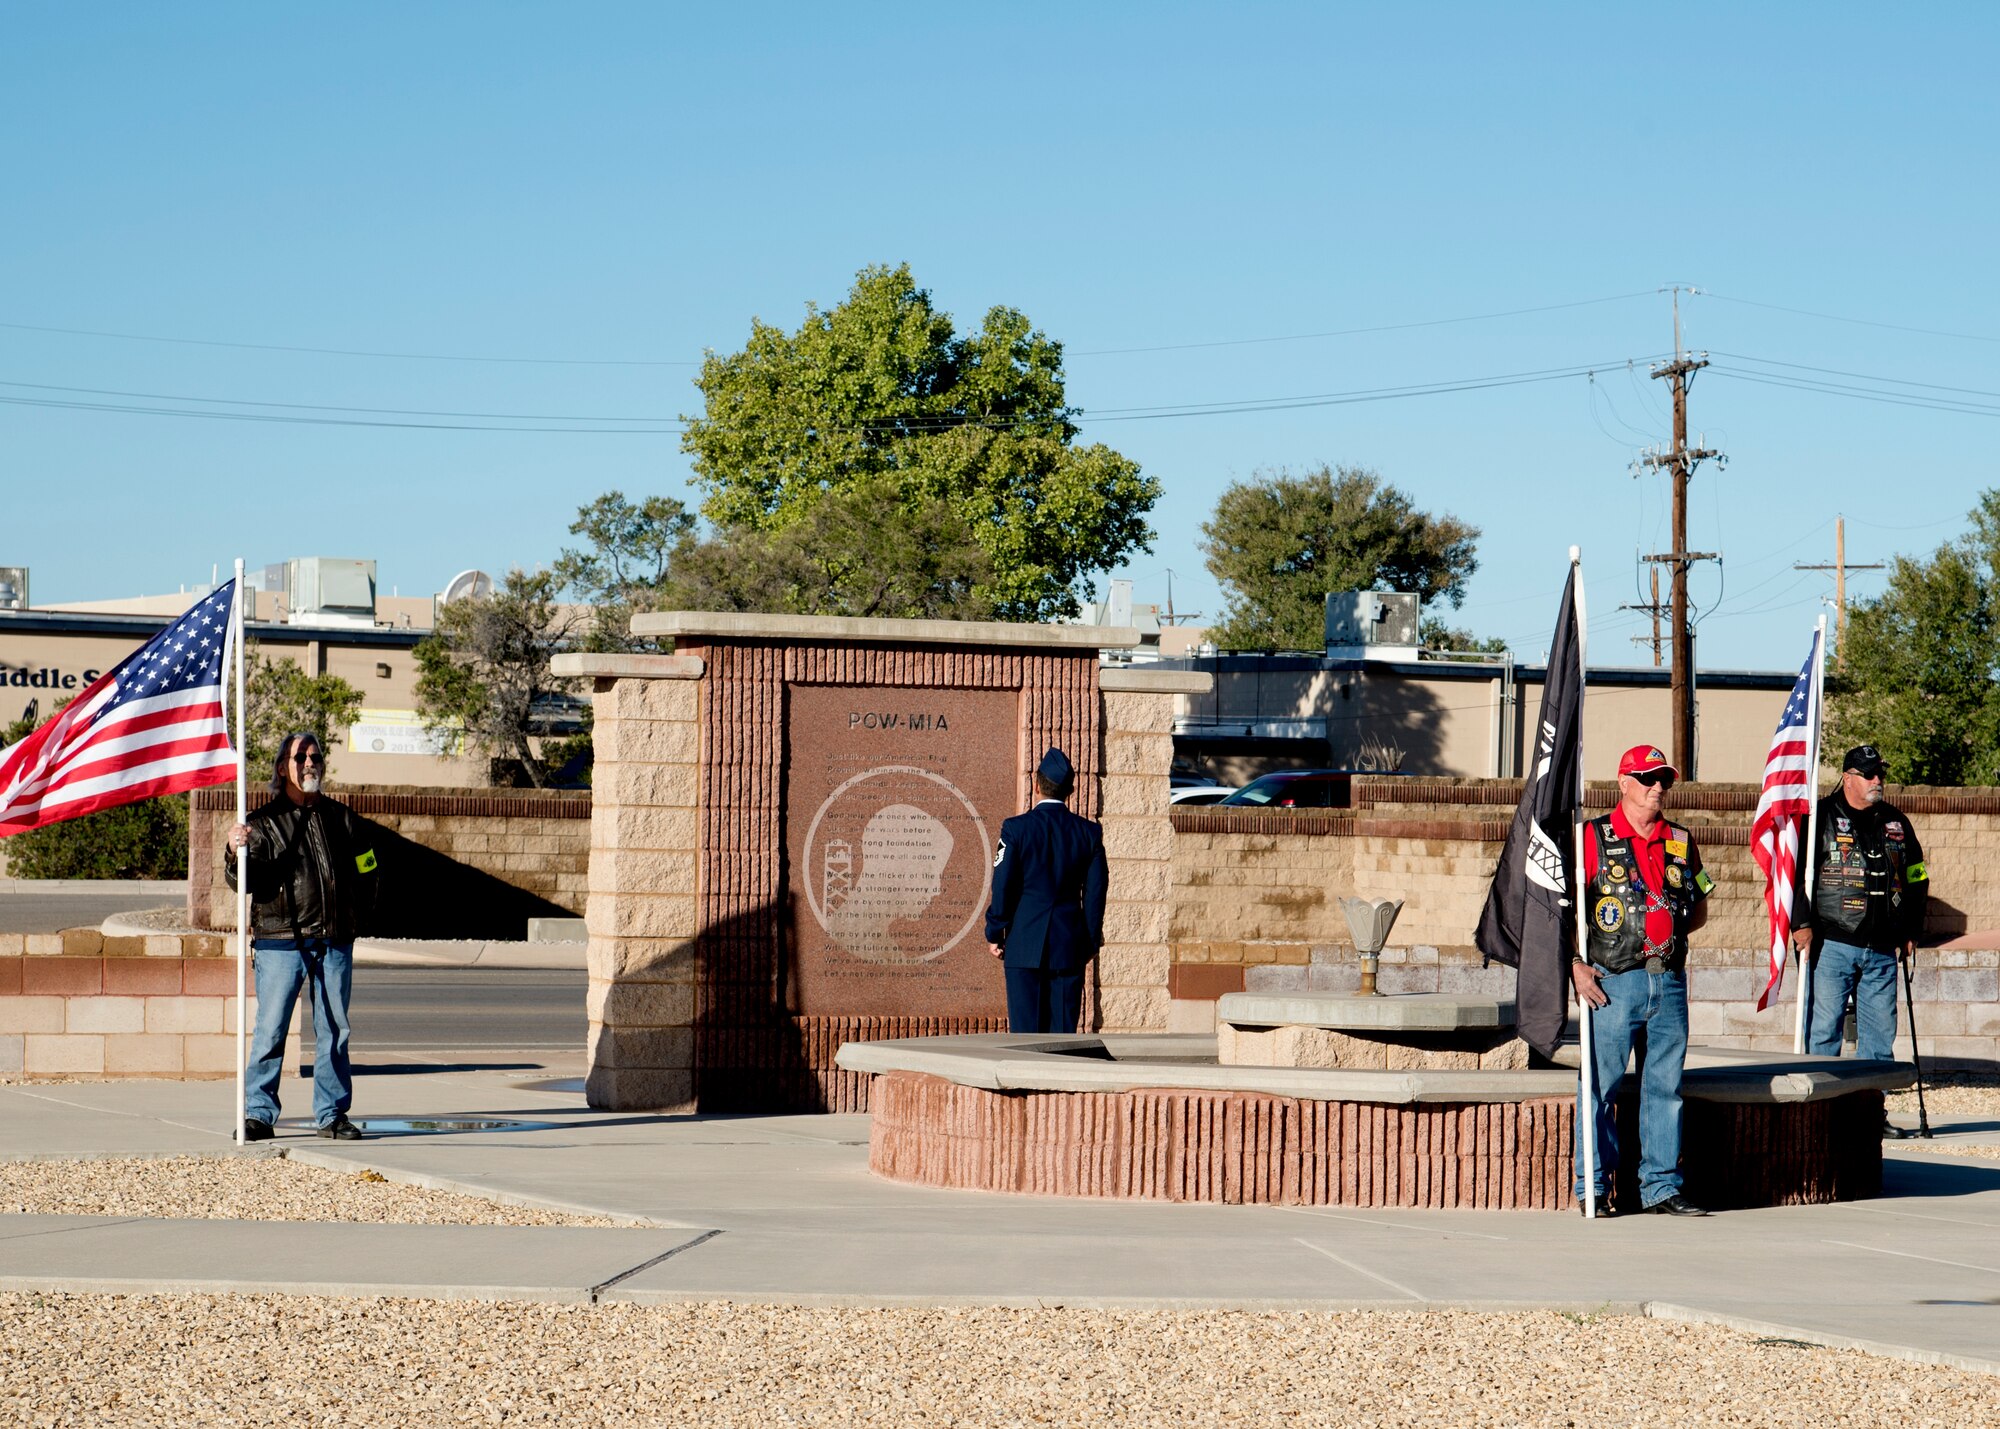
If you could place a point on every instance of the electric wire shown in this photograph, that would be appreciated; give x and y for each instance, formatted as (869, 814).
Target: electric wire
(352, 352)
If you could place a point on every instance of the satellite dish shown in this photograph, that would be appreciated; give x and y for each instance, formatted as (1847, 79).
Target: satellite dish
(467, 585)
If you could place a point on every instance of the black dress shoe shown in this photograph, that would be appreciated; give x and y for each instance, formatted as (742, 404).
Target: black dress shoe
(1893, 1132)
(255, 1130)
(1674, 1205)
(1605, 1211)
(340, 1129)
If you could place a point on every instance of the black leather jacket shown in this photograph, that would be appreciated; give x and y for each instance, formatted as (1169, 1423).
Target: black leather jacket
(312, 870)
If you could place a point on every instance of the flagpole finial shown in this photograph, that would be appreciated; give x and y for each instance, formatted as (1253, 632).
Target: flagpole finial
(1575, 554)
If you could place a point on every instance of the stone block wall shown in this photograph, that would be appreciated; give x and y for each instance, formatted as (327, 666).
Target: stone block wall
(644, 833)
(1138, 720)
(1255, 905)
(78, 1004)
(455, 863)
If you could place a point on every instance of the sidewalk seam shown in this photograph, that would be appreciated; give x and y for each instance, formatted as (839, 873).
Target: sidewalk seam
(662, 1258)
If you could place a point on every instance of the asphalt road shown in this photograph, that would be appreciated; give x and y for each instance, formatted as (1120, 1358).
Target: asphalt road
(53, 912)
(484, 1015)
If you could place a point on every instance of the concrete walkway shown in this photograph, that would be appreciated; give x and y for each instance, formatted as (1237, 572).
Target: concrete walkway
(784, 1209)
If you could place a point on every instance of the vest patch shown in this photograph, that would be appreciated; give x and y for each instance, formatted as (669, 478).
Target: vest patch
(1609, 913)
(1917, 873)
(1673, 875)
(1616, 873)
(1677, 848)
(1703, 884)
(365, 861)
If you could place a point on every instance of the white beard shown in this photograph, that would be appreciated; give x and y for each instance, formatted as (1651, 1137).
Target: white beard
(310, 784)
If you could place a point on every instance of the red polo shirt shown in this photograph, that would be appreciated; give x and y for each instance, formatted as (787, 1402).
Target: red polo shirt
(1651, 856)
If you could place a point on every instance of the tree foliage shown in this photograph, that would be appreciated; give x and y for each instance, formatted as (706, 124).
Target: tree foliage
(485, 669)
(879, 405)
(623, 570)
(1916, 674)
(280, 698)
(1279, 543)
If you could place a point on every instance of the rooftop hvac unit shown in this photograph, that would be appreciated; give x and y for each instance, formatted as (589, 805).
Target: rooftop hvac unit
(13, 587)
(1371, 622)
(328, 590)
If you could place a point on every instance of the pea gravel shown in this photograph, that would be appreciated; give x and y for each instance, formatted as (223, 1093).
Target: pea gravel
(253, 1360)
(251, 1188)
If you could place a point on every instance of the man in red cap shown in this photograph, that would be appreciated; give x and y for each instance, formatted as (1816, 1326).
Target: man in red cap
(1645, 891)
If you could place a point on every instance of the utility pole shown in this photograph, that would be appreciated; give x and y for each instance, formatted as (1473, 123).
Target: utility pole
(1840, 568)
(1680, 463)
(1170, 618)
(1656, 610)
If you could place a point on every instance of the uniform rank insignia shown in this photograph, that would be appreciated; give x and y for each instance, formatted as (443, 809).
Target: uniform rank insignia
(1678, 848)
(1673, 875)
(1703, 884)
(1610, 914)
(1000, 854)
(365, 861)
(1616, 873)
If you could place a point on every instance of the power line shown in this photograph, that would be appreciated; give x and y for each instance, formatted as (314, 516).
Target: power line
(321, 407)
(351, 352)
(1858, 322)
(1358, 331)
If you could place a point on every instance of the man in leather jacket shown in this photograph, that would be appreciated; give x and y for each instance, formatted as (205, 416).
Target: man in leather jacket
(312, 876)
(1870, 890)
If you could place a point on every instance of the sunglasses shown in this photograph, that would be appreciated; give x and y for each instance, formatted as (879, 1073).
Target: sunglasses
(316, 760)
(1653, 776)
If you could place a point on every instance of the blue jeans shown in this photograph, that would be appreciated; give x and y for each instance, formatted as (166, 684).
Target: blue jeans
(1658, 1003)
(327, 972)
(1870, 975)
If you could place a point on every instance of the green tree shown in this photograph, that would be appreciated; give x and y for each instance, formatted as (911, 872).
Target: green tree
(1915, 675)
(1279, 543)
(484, 671)
(968, 430)
(147, 839)
(280, 698)
(1438, 638)
(624, 568)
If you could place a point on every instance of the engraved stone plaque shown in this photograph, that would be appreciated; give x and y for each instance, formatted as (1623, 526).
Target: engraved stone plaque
(893, 804)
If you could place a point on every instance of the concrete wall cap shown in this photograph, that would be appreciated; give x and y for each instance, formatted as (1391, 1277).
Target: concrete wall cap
(753, 625)
(1127, 680)
(1409, 1012)
(581, 664)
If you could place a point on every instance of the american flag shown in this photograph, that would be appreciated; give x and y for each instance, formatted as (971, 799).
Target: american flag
(154, 725)
(1782, 809)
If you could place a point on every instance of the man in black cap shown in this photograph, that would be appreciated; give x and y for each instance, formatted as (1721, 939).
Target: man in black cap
(1046, 918)
(1867, 910)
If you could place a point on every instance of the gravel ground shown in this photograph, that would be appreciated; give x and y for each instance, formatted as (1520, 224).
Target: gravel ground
(250, 1188)
(1952, 1094)
(171, 919)
(249, 1360)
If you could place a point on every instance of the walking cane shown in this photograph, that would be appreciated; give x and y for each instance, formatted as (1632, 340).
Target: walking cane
(1909, 992)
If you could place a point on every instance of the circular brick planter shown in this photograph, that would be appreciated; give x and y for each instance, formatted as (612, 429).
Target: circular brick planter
(969, 1115)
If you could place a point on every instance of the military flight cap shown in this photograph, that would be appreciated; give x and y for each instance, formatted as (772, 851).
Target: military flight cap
(1055, 768)
(1644, 759)
(1865, 760)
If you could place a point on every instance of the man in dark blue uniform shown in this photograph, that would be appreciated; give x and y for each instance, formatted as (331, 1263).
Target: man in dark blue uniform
(1047, 915)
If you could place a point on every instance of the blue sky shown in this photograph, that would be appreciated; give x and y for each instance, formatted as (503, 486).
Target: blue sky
(622, 186)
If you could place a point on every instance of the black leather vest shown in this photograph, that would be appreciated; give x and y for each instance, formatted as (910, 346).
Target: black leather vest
(1618, 900)
(1862, 873)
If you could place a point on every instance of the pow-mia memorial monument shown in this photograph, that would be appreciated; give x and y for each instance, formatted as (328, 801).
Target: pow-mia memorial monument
(793, 827)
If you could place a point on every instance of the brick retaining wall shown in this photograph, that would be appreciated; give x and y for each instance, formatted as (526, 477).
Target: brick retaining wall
(79, 1004)
(455, 864)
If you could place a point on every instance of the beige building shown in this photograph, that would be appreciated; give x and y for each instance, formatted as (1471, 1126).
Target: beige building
(1462, 719)
(50, 654)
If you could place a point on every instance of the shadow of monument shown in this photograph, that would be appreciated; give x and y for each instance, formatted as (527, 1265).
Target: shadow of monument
(427, 894)
(756, 1052)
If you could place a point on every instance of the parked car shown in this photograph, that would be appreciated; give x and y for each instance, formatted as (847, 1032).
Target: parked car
(1199, 794)
(1296, 789)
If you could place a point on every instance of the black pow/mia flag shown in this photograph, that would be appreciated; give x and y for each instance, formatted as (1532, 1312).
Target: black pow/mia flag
(1529, 921)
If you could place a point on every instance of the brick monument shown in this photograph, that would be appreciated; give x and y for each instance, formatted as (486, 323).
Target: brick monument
(792, 832)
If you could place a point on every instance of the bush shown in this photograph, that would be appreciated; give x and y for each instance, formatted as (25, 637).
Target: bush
(143, 840)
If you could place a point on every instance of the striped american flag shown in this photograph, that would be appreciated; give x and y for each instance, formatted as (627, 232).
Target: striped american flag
(1782, 810)
(154, 725)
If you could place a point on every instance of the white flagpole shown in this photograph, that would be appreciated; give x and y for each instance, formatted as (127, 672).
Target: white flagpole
(1809, 847)
(242, 864)
(1586, 1059)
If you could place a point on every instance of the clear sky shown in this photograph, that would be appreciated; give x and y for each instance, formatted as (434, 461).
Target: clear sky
(1205, 204)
